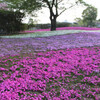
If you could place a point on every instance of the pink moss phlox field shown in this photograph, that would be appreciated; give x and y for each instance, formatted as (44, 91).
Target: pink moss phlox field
(64, 28)
(10, 46)
(71, 74)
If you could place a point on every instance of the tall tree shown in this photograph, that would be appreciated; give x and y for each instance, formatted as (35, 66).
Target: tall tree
(89, 16)
(56, 7)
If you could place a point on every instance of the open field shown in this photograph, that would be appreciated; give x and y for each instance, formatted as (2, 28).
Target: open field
(61, 66)
(13, 46)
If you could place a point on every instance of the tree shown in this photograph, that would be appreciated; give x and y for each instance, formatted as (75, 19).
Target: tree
(56, 7)
(79, 21)
(89, 16)
(30, 23)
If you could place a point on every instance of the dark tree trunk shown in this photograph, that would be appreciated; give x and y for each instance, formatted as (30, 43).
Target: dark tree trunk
(53, 22)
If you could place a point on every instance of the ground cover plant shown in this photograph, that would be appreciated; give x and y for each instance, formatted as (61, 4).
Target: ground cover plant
(42, 34)
(47, 32)
(65, 28)
(69, 74)
(10, 46)
(51, 67)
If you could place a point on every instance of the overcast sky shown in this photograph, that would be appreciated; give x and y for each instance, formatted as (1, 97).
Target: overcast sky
(68, 15)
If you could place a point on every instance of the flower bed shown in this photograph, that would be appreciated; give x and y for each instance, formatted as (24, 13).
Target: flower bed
(9, 46)
(71, 74)
(64, 28)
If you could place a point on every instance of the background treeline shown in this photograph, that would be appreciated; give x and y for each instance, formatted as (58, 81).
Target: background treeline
(46, 26)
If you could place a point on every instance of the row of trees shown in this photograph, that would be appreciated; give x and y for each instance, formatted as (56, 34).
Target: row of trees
(89, 16)
(56, 7)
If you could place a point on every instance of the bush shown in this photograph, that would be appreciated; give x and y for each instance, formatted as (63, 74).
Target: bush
(43, 26)
(59, 24)
(24, 26)
(63, 24)
(10, 21)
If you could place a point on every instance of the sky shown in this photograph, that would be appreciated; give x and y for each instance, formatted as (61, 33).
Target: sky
(68, 16)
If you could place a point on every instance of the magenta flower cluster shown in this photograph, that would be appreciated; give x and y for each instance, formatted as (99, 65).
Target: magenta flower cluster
(63, 28)
(70, 74)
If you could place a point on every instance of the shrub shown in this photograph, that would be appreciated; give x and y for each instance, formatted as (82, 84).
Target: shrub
(43, 26)
(59, 24)
(63, 24)
(10, 21)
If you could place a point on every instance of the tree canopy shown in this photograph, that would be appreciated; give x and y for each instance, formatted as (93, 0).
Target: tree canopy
(89, 16)
(10, 21)
(79, 21)
(56, 7)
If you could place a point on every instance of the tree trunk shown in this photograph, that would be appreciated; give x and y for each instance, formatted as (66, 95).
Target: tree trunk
(53, 23)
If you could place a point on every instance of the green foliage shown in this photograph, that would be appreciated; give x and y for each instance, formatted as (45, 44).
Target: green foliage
(10, 21)
(59, 24)
(24, 26)
(83, 2)
(63, 24)
(56, 7)
(24, 5)
(42, 26)
(31, 23)
(89, 16)
(79, 21)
